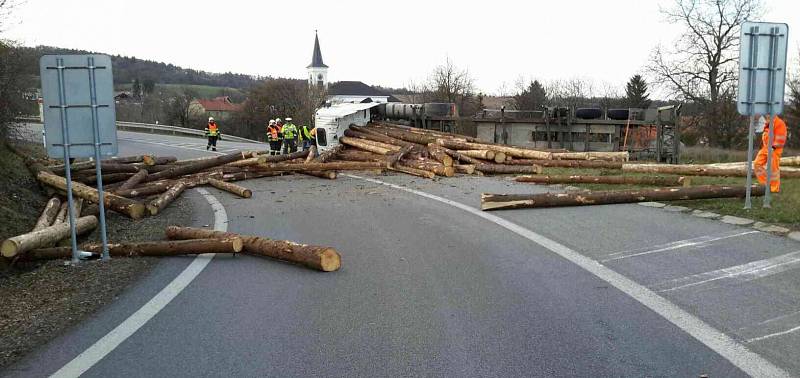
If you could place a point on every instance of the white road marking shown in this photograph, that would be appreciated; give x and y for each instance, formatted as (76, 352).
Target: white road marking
(129, 326)
(739, 273)
(694, 242)
(738, 354)
(786, 332)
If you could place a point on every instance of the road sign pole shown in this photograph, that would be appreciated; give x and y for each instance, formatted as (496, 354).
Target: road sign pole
(67, 166)
(773, 51)
(97, 164)
(751, 130)
(767, 190)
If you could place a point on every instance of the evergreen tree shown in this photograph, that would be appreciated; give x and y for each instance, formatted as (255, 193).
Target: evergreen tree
(636, 94)
(136, 88)
(532, 97)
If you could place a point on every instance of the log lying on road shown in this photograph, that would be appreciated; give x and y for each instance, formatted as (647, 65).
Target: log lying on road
(152, 248)
(510, 151)
(146, 189)
(231, 188)
(355, 155)
(45, 237)
(134, 180)
(336, 166)
(329, 154)
(321, 258)
(695, 170)
(362, 144)
(502, 168)
(278, 158)
(616, 180)
(567, 163)
(519, 201)
(329, 175)
(439, 154)
(114, 202)
(197, 166)
(431, 166)
(166, 198)
(399, 167)
(465, 168)
(48, 215)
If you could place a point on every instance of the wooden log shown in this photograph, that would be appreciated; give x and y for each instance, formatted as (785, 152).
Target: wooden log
(360, 143)
(480, 154)
(244, 163)
(321, 258)
(393, 158)
(509, 151)
(197, 166)
(248, 175)
(305, 167)
(377, 136)
(231, 188)
(45, 237)
(371, 142)
(151, 248)
(245, 155)
(790, 161)
(329, 154)
(312, 153)
(406, 135)
(48, 214)
(609, 156)
(695, 170)
(465, 168)
(519, 201)
(329, 175)
(133, 180)
(278, 158)
(111, 168)
(108, 178)
(357, 155)
(567, 163)
(399, 167)
(438, 154)
(615, 180)
(457, 155)
(114, 202)
(159, 160)
(571, 156)
(502, 169)
(61, 215)
(430, 165)
(155, 206)
(146, 189)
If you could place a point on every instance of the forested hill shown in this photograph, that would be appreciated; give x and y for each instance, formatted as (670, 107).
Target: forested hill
(126, 69)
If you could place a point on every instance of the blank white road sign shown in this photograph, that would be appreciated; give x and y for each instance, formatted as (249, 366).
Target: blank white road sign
(762, 68)
(78, 90)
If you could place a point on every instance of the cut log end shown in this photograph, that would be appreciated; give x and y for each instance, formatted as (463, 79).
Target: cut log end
(9, 248)
(330, 260)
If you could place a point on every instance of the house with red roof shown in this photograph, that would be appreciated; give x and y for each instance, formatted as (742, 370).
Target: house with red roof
(219, 107)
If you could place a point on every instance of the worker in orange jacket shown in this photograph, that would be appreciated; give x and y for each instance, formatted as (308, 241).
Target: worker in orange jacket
(760, 164)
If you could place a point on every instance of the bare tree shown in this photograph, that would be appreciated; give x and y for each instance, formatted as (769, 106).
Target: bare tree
(177, 108)
(792, 108)
(450, 83)
(701, 68)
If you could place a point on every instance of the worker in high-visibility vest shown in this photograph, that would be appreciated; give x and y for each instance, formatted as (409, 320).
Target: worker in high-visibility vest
(760, 163)
(274, 138)
(306, 137)
(212, 133)
(290, 136)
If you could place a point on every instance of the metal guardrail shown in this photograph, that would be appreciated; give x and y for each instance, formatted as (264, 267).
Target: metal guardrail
(159, 129)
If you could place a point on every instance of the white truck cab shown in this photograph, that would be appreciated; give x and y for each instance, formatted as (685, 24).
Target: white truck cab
(331, 121)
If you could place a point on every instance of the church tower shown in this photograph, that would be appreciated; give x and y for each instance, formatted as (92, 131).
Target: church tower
(317, 71)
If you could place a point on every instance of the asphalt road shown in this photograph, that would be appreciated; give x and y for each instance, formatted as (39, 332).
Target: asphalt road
(429, 289)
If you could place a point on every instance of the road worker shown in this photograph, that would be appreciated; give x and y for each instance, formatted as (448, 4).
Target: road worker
(274, 138)
(306, 137)
(760, 163)
(213, 134)
(290, 136)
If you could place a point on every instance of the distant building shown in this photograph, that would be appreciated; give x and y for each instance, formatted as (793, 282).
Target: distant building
(356, 91)
(219, 107)
(317, 70)
(343, 91)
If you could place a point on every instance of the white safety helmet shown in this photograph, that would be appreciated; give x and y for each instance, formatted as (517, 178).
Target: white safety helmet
(272, 122)
(210, 119)
(277, 119)
(288, 119)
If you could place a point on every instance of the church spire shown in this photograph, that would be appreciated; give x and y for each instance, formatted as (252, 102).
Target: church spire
(316, 58)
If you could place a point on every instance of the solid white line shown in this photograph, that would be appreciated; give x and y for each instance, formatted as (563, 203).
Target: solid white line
(749, 362)
(774, 334)
(699, 241)
(124, 330)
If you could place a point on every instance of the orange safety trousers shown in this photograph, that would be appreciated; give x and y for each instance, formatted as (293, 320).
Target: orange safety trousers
(760, 168)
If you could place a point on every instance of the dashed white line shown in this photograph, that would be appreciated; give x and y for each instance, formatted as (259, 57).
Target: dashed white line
(133, 323)
(694, 242)
(738, 354)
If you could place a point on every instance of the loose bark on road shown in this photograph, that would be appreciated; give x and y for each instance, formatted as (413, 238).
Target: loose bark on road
(321, 258)
(518, 201)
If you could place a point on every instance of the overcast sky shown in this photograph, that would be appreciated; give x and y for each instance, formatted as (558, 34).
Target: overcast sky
(386, 43)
